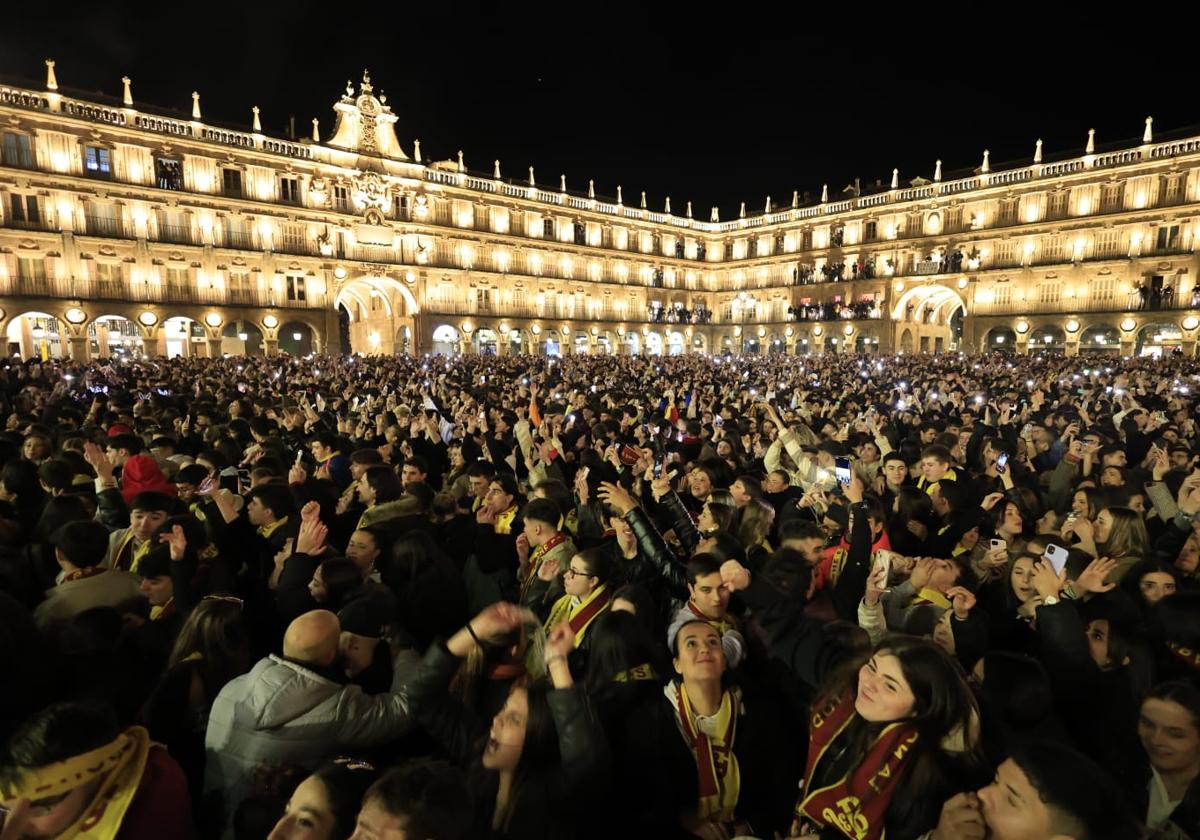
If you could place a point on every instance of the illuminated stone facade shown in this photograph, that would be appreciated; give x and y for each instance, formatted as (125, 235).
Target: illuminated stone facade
(127, 231)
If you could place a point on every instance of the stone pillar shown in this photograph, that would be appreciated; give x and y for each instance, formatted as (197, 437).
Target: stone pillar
(214, 348)
(1127, 346)
(270, 346)
(79, 348)
(155, 345)
(1072, 348)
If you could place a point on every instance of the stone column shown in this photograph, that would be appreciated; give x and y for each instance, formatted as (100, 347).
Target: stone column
(79, 348)
(270, 346)
(214, 348)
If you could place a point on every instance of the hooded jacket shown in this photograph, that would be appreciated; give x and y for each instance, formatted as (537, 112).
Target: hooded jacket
(283, 712)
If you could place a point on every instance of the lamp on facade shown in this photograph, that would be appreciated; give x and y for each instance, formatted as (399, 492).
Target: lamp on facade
(297, 336)
(38, 332)
(243, 336)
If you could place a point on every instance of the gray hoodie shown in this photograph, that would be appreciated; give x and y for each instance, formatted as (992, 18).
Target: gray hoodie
(284, 713)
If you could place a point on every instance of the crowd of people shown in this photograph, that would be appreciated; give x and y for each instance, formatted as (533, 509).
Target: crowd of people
(918, 597)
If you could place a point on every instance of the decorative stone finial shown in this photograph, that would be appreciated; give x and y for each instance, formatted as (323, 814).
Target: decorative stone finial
(316, 135)
(643, 199)
(620, 198)
(562, 183)
(51, 79)
(1091, 144)
(824, 193)
(742, 211)
(127, 94)
(667, 209)
(715, 215)
(195, 104)
(365, 87)
(462, 167)
(1148, 134)
(987, 166)
(895, 179)
(767, 209)
(591, 188)
(349, 89)
(257, 121)
(689, 209)
(417, 150)
(1037, 152)
(937, 171)
(795, 199)
(496, 169)
(532, 182)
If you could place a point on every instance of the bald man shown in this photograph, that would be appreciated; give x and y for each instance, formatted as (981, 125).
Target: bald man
(295, 709)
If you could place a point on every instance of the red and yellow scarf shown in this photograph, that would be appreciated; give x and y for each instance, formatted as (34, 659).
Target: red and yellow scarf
(721, 625)
(581, 615)
(119, 764)
(856, 804)
(535, 559)
(128, 557)
(719, 779)
(1187, 656)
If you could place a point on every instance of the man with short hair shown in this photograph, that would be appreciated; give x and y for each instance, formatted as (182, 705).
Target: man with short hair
(293, 709)
(1044, 791)
(936, 465)
(745, 489)
(420, 799)
(542, 541)
(415, 468)
(127, 546)
(86, 582)
(708, 600)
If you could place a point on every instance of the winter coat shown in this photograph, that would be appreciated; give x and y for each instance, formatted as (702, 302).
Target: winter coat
(284, 712)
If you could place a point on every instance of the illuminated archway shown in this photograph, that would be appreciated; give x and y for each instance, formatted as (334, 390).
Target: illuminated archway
(115, 335)
(445, 340)
(37, 335)
(927, 303)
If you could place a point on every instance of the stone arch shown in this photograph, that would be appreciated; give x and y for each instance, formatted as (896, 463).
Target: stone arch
(1160, 338)
(180, 333)
(931, 297)
(906, 340)
(676, 345)
(699, 343)
(1047, 337)
(297, 338)
(110, 333)
(445, 340)
(1000, 338)
(242, 338)
(1100, 338)
(37, 333)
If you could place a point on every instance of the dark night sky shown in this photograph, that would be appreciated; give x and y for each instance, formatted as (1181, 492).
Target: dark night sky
(714, 104)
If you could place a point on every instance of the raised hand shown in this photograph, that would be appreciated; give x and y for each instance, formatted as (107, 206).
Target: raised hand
(734, 576)
(1093, 579)
(962, 600)
(177, 540)
(617, 496)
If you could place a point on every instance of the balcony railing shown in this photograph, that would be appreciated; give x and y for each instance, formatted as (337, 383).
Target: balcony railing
(1125, 302)
(25, 224)
(175, 234)
(109, 227)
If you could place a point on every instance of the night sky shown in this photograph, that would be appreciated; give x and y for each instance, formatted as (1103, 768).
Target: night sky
(716, 104)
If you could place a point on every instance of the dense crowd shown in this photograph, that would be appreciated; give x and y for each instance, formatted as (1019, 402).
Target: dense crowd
(945, 597)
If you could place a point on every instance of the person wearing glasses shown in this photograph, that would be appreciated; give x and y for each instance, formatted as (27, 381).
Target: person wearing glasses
(586, 582)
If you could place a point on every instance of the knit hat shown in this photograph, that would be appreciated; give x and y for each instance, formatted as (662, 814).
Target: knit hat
(366, 616)
(142, 473)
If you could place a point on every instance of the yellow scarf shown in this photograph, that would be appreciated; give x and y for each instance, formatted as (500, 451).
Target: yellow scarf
(267, 530)
(932, 596)
(720, 780)
(504, 521)
(581, 615)
(120, 764)
(139, 553)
